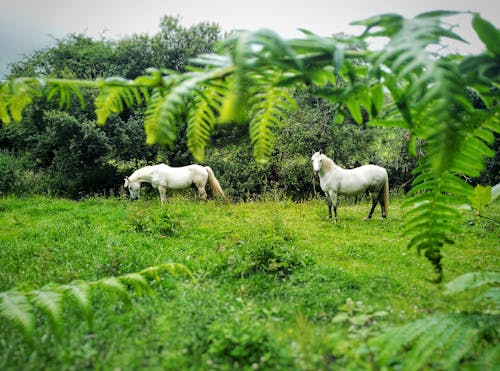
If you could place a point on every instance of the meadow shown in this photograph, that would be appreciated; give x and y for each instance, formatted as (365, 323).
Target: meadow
(274, 284)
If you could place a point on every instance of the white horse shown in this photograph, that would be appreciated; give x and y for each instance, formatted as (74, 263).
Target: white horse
(163, 177)
(335, 181)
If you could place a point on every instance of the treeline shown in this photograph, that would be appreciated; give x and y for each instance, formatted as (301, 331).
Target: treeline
(60, 150)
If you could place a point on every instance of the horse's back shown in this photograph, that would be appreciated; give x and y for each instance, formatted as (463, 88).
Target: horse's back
(357, 180)
(184, 176)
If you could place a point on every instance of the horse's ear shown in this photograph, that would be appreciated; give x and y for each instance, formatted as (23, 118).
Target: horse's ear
(320, 152)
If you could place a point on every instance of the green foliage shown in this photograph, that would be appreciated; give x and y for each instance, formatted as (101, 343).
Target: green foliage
(271, 256)
(472, 280)
(480, 198)
(439, 340)
(268, 108)
(111, 99)
(242, 343)
(445, 341)
(357, 314)
(19, 306)
(201, 120)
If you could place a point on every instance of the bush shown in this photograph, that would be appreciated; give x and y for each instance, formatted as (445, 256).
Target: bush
(241, 343)
(18, 177)
(270, 255)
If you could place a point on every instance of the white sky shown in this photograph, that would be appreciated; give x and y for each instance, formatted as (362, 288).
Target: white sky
(26, 25)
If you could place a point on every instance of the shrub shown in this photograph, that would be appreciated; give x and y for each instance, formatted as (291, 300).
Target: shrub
(241, 343)
(270, 255)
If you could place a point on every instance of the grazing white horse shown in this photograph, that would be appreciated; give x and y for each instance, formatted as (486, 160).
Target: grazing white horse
(163, 177)
(335, 181)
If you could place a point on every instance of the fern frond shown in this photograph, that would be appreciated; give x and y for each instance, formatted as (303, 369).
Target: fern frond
(15, 95)
(65, 90)
(392, 341)
(440, 340)
(49, 300)
(202, 116)
(80, 293)
(488, 360)
(138, 282)
(431, 341)
(113, 99)
(167, 105)
(492, 295)
(114, 287)
(472, 280)
(16, 308)
(268, 108)
(234, 106)
(176, 269)
(457, 345)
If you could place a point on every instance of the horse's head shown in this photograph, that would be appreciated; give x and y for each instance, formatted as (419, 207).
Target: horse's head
(133, 188)
(317, 161)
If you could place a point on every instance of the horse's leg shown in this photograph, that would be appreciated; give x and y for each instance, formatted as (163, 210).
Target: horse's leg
(163, 194)
(375, 200)
(201, 191)
(333, 203)
(382, 203)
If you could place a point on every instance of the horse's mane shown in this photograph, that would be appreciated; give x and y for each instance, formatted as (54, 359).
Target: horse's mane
(328, 163)
(140, 173)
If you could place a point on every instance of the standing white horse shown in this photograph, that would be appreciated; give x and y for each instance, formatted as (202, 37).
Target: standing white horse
(335, 181)
(163, 177)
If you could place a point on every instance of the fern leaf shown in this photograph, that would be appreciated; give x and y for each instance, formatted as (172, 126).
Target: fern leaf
(152, 272)
(442, 340)
(175, 269)
(390, 343)
(113, 99)
(489, 359)
(65, 90)
(268, 108)
(472, 280)
(14, 306)
(80, 294)
(201, 119)
(429, 342)
(166, 106)
(458, 345)
(114, 288)
(492, 295)
(138, 282)
(50, 302)
(235, 104)
(15, 95)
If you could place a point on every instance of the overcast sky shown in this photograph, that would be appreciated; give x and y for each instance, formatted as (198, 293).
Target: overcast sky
(26, 25)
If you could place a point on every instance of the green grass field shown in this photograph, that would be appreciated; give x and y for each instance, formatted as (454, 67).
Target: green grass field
(276, 284)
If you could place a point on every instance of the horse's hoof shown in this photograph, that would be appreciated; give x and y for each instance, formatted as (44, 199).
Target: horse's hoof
(366, 219)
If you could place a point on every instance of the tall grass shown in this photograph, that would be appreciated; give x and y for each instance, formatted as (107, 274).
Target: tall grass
(278, 285)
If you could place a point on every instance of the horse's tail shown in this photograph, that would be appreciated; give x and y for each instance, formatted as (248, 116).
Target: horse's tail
(385, 194)
(214, 183)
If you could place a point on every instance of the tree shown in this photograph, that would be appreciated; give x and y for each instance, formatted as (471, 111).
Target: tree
(428, 98)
